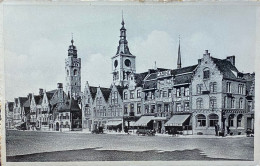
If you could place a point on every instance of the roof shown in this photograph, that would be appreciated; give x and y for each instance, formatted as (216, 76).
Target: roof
(183, 70)
(226, 68)
(27, 103)
(120, 90)
(51, 93)
(150, 85)
(22, 100)
(105, 92)
(10, 106)
(70, 105)
(151, 77)
(183, 79)
(38, 99)
(139, 78)
(26, 110)
(93, 91)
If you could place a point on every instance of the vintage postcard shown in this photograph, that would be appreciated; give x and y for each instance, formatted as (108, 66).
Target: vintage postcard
(129, 83)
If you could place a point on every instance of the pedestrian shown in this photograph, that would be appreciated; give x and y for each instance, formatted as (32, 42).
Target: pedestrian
(216, 129)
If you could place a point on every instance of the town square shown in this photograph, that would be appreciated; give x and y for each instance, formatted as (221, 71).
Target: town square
(120, 87)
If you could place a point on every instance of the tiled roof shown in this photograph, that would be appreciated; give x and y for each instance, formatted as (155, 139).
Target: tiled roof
(139, 78)
(93, 91)
(26, 110)
(10, 106)
(22, 100)
(183, 70)
(105, 92)
(38, 99)
(225, 68)
(27, 103)
(51, 93)
(151, 77)
(182, 79)
(70, 105)
(150, 85)
(120, 90)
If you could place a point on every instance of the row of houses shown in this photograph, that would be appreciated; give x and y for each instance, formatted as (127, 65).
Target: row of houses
(193, 99)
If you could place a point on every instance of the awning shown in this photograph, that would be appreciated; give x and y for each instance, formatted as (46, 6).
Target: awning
(159, 118)
(130, 123)
(177, 120)
(144, 120)
(113, 123)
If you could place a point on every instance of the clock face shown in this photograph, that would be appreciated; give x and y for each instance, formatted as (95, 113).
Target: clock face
(116, 63)
(127, 62)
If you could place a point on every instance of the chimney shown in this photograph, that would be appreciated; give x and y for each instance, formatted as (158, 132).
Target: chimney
(206, 53)
(199, 61)
(41, 92)
(232, 59)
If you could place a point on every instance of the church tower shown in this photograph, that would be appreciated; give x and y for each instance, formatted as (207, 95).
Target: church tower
(73, 72)
(123, 63)
(179, 56)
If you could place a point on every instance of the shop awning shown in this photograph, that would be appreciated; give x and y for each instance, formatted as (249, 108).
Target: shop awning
(113, 123)
(130, 123)
(144, 120)
(177, 120)
(159, 118)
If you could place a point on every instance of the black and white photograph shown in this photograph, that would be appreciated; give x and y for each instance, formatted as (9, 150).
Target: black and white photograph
(130, 82)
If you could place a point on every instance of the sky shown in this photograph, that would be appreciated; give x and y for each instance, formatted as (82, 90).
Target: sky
(36, 40)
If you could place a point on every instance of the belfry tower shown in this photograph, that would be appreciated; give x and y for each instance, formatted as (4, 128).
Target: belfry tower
(123, 63)
(73, 72)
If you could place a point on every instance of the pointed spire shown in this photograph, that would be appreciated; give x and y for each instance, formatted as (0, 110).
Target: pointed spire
(179, 55)
(123, 23)
(72, 51)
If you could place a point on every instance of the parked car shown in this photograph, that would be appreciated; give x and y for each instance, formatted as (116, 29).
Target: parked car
(148, 132)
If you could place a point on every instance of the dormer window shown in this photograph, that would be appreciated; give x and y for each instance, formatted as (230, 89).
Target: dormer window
(206, 73)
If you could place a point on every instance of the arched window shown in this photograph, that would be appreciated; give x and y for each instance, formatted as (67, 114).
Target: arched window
(205, 73)
(75, 72)
(199, 103)
(239, 120)
(213, 119)
(201, 120)
(231, 120)
(241, 103)
(213, 102)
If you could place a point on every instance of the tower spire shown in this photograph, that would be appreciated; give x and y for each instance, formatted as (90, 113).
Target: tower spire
(179, 55)
(72, 41)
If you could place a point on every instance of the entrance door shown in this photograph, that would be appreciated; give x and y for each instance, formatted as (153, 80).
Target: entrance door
(57, 126)
(249, 123)
(159, 126)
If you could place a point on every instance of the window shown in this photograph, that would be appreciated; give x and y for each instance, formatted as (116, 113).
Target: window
(239, 120)
(152, 95)
(67, 125)
(138, 108)
(201, 120)
(186, 106)
(161, 93)
(67, 115)
(187, 92)
(164, 93)
(241, 103)
(213, 119)
(68, 73)
(132, 94)
(75, 72)
(206, 73)
(240, 88)
(178, 107)
(199, 87)
(116, 97)
(199, 103)
(225, 102)
(159, 108)
(178, 92)
(231, 120)
(152, 108)
(138, 93)
(132, 108)
(166, 107)
(228, 87)
(169, 93)
(125, 109)
(213, 102)
(233, 103)
(146, 109)
(125, 95)
(213, 87)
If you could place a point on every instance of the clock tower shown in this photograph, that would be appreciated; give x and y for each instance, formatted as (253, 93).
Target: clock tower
(123, 63)
(73, 72)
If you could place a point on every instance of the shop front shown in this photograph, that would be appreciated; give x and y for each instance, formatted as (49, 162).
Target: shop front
(179, 124)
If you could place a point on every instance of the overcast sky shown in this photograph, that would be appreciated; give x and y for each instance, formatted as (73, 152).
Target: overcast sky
(36, 39)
